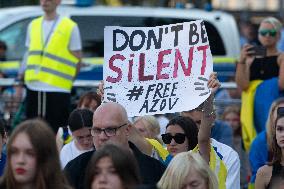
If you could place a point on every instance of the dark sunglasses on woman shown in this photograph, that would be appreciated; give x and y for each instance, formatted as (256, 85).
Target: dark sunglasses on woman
(178, 137)
(270, 32)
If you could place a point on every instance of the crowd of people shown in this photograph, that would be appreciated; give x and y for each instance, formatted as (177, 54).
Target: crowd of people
(98, 146)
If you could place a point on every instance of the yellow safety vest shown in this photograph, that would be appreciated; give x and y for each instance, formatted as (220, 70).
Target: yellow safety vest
(53, 64)
(217, 166)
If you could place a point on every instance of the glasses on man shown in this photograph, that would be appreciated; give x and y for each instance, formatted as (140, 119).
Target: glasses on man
(178, 137)
(109, 132)
(270, 32)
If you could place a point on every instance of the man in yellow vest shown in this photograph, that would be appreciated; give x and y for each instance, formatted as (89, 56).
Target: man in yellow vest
(51, 65)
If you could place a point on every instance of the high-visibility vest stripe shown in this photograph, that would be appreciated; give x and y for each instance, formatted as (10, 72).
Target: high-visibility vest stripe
(9, 65)
(59, 74)
(61, 60)
(230, 60)
(35, 53)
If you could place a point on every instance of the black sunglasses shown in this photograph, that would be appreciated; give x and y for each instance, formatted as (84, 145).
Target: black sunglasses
(178, 137)
(280, 112)
(270, 32)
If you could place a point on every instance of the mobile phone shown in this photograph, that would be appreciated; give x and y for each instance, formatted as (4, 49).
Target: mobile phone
(257, 51)
(280, 111)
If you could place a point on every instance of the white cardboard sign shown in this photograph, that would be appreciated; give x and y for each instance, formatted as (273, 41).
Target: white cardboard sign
(157, 70)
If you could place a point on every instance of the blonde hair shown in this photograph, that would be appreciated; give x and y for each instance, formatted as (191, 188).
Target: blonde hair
(151, 124)
(179, 167)
(277, 25)
(270, 123)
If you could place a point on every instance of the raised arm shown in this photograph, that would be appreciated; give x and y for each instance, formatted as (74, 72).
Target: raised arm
(242, 68)
(207, 120)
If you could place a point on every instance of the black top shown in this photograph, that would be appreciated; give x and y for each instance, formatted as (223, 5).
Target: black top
(264, 68)
(151, 170)
(277, 178)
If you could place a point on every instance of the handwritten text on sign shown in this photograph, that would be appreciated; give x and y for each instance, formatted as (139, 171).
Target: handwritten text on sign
(157, 70)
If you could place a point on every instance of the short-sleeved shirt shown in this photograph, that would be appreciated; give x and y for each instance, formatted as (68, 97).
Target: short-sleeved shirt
(69, 152)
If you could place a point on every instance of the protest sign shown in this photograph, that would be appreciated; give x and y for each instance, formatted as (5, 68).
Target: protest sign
(157, 70)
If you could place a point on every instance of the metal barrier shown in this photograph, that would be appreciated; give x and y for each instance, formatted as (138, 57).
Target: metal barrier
(9, 104)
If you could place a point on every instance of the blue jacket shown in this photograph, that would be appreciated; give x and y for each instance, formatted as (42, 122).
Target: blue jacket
(258, 155)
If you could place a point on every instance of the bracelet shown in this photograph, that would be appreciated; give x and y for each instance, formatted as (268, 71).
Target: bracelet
(210, 114)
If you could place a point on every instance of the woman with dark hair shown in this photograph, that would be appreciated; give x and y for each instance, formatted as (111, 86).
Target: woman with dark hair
(91, 101)
(271, 175)
(184, 132)
(112, 167)
(80, 122)
(32, 158)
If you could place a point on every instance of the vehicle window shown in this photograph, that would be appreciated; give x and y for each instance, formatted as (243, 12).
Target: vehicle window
(14, 36)
(92, 31)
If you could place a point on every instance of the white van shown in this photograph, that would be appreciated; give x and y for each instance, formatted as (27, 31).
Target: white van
(221, 28)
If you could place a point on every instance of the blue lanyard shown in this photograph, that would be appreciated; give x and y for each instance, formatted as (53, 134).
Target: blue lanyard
(49, 34)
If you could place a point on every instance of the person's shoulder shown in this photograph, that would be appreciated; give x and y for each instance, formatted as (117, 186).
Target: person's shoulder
(280, 58)
(145, 159)
(265, 169)
(66, 147)
(227, 152)
(221, 146)
(264, 172)
(80, 161)
(68, 20)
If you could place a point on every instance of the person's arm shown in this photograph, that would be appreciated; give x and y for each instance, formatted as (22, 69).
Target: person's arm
(242, 68)
(77, 54)
(207, 119)
(140, 142)
(75, 47)
(263, 177)
(281, 71)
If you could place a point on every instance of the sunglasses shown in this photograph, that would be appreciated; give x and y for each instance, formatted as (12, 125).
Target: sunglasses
(271, 32)
(178, 137)
(280, 112)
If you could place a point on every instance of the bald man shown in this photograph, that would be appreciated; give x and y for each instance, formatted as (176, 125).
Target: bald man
(110, 124)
